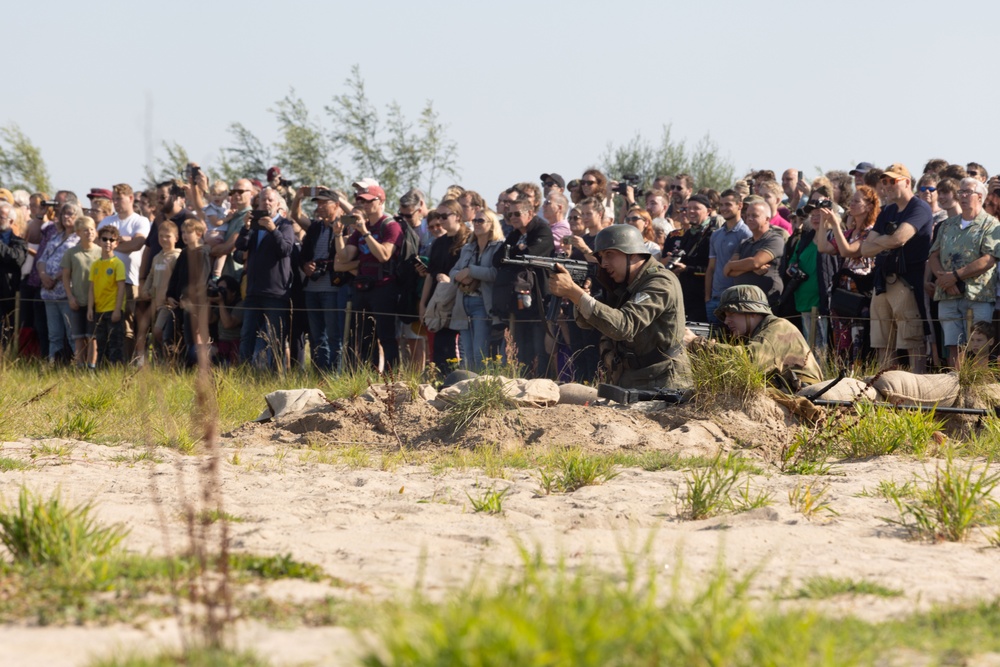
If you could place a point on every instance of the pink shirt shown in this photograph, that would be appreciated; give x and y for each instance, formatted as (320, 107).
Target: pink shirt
(778, 221)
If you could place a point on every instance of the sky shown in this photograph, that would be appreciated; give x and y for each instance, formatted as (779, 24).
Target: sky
(523, 87)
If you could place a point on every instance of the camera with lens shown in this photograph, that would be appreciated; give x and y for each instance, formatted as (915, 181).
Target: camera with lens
(674, 259)
(323, 267)
(796, 273)
(284, 182)
(627, 180)
(214, 289)
(812, 206)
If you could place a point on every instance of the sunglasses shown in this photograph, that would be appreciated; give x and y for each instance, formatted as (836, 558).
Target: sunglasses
(514, 214)
(633, 218)
(588, 182)
(677, 188)
(105, 239)
(973, 173)
(439, 216)
(237, 191)
(927, 188)
(888, 180)
(574, 217)
(479, 221)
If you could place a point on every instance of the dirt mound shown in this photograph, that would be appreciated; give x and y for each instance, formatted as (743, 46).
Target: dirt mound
(381, 423)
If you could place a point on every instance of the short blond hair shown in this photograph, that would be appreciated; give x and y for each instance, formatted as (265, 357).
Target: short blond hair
(219, 188)
(82, 222)
(194, 225)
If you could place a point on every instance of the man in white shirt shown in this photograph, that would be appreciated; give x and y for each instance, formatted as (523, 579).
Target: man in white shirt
(133, 230)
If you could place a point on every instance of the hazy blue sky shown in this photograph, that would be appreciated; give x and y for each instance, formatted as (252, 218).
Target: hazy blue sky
(524, 87)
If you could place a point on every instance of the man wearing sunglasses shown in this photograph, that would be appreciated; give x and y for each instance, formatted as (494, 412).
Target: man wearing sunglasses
(681, 187)
(963, 260)
(900, 242)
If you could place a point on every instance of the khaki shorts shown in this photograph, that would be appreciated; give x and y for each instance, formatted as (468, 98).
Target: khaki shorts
(895, 315)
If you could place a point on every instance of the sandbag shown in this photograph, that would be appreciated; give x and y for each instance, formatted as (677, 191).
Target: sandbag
(905, 388)
(847, 389)
(290, 401)
(539, 393)
(573, 393)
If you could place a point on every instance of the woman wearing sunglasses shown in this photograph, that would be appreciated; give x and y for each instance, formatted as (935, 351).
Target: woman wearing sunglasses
(475, 274)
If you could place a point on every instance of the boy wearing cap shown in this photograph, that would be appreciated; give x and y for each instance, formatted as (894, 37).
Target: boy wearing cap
(900, 242)
(107, 298)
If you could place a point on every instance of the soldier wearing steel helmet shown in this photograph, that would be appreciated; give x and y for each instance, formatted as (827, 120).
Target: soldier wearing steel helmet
(640, 316)
(775, 344)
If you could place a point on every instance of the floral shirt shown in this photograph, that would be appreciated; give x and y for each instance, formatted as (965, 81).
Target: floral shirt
(957, 247)
(51, 260)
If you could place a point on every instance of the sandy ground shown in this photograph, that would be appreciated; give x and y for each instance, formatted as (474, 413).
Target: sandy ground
(382, 532)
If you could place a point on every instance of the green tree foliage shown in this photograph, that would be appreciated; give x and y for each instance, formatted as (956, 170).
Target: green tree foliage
(395, 151)
(303, 151)
(640, 157)
(246, 157)
(21, 163)
(166, 167)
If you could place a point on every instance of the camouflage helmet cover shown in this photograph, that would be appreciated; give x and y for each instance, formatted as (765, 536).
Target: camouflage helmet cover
(742, 299)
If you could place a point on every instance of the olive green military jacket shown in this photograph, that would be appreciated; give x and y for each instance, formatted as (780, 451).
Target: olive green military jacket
(642, 329)
(777, 347)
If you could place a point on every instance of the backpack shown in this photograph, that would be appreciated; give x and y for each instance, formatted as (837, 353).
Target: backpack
(408, 251)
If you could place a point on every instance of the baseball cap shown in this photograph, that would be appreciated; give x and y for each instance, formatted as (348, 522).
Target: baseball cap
(700, 199)
(896, 170)
(336, 196)
(371, 193)
(555, 178)
(272, 172)
(99, 193)
(257, 184)
(7, 195)
(862, 168)
(365, 183)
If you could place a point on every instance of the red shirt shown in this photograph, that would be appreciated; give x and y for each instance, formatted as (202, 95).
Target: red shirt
(385, 230)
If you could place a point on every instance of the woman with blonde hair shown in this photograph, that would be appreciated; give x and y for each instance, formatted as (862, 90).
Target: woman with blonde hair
(475, 274)
(641, 220)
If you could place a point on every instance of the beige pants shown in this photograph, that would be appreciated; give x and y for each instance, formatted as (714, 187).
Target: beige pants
(896, 321)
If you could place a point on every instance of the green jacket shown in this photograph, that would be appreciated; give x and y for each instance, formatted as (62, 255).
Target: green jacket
(642, 327)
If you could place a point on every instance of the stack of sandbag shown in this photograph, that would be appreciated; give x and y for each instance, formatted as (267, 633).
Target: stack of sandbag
(905, 388)
(537, 393)
(847, 389)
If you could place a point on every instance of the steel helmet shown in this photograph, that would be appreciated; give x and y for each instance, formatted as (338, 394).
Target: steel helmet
(742, 299)
(624, 238)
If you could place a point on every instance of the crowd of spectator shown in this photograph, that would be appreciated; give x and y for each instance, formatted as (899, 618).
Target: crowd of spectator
(872, 264)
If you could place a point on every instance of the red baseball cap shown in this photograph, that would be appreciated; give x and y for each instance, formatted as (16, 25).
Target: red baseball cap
(100, 193)
(272, 172)
(371, 193)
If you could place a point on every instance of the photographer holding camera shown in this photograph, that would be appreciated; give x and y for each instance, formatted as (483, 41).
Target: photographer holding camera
(900, 242)
(324, 281)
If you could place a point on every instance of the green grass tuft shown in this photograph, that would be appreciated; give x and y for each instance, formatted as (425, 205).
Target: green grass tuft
(489, 501)
(574, 469)
(822, 588)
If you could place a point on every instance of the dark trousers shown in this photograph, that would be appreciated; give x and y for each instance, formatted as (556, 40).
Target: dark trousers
(110, 337)
(530, 340)
(445, 348)
(265, 327)
(375, 322)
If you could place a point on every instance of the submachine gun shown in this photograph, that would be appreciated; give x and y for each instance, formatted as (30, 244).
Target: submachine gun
(579, 270)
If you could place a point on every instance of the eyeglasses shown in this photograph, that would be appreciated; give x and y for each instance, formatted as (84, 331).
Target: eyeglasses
(588, 182)
(966, 193)
(479, 221)
(633, 218)
(106, 239)
(888, 180)
(676, 188)
(927, 188)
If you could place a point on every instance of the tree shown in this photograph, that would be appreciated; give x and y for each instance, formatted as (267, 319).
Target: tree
(21, 163)
(400, 154)
(641, 158)
(247, 157)
(303, 152)
(171, 166)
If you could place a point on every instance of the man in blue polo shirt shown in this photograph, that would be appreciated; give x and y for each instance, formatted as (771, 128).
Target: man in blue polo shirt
(724, 242)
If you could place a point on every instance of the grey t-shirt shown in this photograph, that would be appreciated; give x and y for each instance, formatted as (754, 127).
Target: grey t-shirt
(770, 282)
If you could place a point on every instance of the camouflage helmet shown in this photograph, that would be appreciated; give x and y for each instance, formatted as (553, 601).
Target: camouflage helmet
(624, 238)
(742, 299)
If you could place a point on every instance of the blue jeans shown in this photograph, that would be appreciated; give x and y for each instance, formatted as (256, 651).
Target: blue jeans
(325, 327)
(476, 339)
(265, 323)
(57, 314)
(710, 318)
